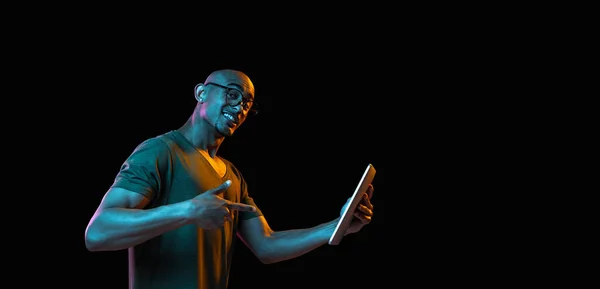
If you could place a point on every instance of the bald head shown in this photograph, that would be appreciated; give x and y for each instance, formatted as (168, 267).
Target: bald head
(231, 77)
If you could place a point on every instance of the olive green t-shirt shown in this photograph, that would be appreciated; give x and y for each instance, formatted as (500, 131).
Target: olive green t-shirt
(167, 169)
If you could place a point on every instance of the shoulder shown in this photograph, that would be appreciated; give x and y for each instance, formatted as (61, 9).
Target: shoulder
(153, 147)
(159, 142)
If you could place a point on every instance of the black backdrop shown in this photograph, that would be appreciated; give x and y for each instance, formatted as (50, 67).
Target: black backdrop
(323, 119)
(302, 155)
(432, 102)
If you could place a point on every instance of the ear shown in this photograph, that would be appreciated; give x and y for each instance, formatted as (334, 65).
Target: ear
(198, 90)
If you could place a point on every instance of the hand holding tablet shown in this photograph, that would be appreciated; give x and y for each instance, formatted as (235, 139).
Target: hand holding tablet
(347, 214)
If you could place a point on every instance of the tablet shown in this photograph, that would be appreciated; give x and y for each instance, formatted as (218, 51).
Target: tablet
(348, 213)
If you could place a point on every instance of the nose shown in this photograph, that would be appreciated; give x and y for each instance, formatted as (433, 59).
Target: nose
(237, 108)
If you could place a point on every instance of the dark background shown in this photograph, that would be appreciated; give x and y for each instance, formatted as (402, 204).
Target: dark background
(302, 155)
(424, 119)
(442, 107)
(323, 119)
(427, 113)
(326, 112)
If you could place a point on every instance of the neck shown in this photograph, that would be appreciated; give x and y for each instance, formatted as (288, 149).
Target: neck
(201, 136)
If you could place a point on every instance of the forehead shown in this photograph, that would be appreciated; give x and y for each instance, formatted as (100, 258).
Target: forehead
(234, 80)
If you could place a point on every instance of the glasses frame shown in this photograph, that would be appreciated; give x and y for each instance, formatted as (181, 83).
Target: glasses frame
(253, 108)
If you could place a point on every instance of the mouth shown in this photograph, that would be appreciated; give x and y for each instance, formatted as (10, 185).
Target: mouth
(231, 119)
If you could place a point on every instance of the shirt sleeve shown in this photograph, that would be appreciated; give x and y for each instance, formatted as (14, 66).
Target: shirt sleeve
(246, 199)
(142, 170)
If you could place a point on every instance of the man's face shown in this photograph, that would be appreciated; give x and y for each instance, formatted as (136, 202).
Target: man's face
(226, 102)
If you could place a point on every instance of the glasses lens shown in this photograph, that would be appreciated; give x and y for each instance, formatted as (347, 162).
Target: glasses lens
(234, 96)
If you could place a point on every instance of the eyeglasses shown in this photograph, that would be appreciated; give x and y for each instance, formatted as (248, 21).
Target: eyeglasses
(234, 97)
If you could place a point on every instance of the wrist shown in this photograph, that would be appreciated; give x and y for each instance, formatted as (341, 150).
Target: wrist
(183, 211)
(329, 228)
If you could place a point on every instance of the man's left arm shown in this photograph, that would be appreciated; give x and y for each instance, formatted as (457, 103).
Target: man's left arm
(271, 246)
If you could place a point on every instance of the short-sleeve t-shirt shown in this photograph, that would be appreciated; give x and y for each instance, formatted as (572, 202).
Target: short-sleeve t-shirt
(167, 169)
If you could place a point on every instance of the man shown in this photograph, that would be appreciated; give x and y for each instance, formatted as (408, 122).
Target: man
(178, 207)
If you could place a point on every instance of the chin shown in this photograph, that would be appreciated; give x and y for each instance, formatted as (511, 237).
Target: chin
(226, 132)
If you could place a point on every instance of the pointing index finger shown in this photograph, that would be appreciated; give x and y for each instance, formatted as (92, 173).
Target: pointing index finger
(221, 188)
(240, 207)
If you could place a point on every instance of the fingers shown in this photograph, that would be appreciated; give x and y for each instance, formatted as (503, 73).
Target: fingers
(221, 188)
(366, 201)
(363, 214)
(364, 210)
(365, 219)
(370, 190)
(228, 215)
(240, 207)
(231, 205)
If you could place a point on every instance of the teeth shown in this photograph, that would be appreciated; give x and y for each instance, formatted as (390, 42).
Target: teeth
(229, 116)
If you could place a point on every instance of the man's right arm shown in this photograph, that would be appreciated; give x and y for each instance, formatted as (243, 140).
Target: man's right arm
(121, 222)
